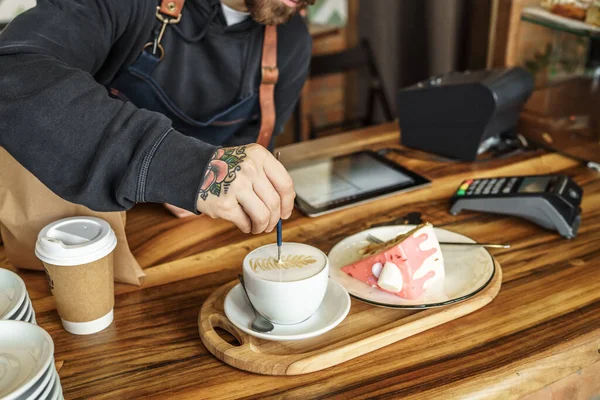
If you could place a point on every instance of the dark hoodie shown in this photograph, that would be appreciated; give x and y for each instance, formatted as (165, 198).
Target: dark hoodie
(58, 121)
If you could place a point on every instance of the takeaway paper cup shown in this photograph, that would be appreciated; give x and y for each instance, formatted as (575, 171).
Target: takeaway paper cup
(77, 254)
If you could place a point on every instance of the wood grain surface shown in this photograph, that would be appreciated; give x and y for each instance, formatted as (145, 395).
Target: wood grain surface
(366, 328)
(544, 324)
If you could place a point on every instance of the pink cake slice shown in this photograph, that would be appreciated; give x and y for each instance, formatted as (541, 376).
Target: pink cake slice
(416, 254)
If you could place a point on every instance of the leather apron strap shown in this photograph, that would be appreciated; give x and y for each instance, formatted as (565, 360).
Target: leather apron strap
(270, 76)
(171, 8)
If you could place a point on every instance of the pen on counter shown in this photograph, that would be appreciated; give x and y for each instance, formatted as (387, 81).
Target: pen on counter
(279, 229)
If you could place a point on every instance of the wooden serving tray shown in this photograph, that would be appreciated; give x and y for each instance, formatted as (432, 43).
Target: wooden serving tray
(365, 329)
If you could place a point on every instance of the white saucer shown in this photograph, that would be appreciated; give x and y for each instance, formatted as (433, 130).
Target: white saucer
(23, 311)
(28, 315)
(12, 293)
(56, 393)
(26, 351)
(49, 387)
(46, 380)
(468, 270)
(332, 311)
(18, 314)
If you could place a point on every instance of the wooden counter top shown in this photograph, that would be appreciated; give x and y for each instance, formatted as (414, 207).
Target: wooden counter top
(543, 326)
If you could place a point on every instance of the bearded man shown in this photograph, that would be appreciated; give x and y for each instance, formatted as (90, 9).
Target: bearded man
(110, 103)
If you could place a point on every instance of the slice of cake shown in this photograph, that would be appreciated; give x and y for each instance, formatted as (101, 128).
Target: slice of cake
(405, 266)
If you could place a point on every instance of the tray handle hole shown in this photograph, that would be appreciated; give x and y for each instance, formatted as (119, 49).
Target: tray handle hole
(225, 330)
(228, 337)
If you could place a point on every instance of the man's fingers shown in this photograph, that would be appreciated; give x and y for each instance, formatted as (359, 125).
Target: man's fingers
(257, 210)
(179, 212)
(239, 217)
(269, 196)
(283, 184)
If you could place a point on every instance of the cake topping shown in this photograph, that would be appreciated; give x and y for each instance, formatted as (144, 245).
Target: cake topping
(391, 278)
(405, 266)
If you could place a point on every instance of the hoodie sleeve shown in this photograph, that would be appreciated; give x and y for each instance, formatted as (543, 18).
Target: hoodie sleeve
(61, 125)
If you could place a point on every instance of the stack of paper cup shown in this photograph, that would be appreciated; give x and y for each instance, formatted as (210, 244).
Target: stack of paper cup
(14, 300)
(78, 257)
(27, 369)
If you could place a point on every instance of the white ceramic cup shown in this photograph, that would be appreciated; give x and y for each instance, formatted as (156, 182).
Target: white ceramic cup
(287, 302)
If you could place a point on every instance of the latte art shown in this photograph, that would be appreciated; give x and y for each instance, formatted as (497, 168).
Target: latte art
(286, 262)
(297, 262)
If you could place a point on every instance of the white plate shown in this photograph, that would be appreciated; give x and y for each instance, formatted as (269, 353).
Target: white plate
(12, 293)
(26, 350)
(46, 381)
(27, 316)
(468, 270)
(59, 393)
(26, 312)
(18, 315)
(50, 387)
(56, 393)
(332, 311)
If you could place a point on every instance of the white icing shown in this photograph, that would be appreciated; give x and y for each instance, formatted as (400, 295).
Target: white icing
(435, 262)
(390, 278)
(376, 270)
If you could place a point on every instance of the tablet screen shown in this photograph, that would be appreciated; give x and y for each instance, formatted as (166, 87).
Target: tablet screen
(325, 184)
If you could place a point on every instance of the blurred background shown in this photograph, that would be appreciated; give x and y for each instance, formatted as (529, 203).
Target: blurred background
(365, 50)
(558, 41)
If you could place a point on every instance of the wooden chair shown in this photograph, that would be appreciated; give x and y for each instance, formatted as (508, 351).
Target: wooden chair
(360, 59)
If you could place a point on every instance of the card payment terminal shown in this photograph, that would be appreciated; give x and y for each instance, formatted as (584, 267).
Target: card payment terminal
(551, 201)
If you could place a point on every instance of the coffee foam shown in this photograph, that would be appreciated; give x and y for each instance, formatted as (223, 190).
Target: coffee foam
(298, 262)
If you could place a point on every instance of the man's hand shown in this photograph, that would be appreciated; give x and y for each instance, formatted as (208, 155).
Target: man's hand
(247, 186)
(179, 212)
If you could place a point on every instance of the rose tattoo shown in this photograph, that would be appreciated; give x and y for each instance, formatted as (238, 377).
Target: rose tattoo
(222, 170)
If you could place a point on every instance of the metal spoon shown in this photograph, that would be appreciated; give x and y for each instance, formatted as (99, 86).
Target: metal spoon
(376, 240)
(260, 323)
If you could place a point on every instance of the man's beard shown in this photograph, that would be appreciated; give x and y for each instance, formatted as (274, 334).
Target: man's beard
(273, 12)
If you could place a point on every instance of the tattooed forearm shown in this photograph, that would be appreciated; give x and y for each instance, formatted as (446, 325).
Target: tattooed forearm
(222, 170)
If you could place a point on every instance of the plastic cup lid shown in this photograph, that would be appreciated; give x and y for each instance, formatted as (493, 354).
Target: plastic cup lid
(75, 241)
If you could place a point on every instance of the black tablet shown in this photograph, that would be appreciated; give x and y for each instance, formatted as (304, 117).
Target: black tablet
(331, 184)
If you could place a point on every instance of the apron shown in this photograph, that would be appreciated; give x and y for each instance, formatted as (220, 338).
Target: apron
(136, 85)
(27, 205)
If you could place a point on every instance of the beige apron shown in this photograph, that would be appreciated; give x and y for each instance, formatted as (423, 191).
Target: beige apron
(27, 205)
